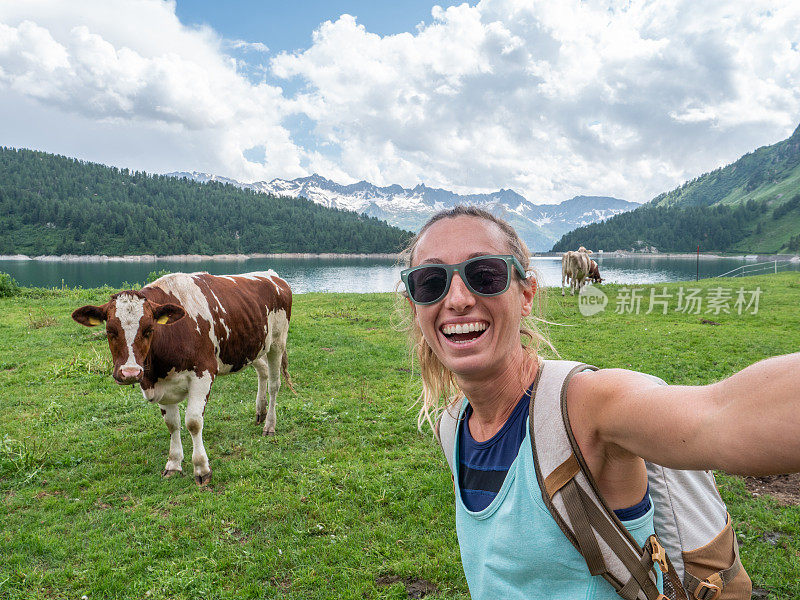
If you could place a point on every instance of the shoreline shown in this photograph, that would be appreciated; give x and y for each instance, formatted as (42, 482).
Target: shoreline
(195, 258)
(187, 258)
(710, 256)
(679, 255)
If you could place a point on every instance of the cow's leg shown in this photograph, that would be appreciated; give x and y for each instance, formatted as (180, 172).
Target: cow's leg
(581, 281)
(172, 418)
(565, 260)
(269, 380)
(262, 368)
(199, 389)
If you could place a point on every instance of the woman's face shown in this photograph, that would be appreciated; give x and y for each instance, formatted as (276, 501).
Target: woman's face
(490, 326)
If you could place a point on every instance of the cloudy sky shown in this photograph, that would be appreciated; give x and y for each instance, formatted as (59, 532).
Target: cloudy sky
(549, 98)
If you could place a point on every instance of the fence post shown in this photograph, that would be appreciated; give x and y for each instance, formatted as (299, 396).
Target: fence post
(697, 278)
(776, 264)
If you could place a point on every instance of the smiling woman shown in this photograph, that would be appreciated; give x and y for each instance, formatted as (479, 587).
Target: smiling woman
(543, 512)
(462, 223)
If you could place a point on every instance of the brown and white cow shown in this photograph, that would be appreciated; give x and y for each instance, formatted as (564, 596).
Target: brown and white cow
(575, 269)
(176, 335)
(594, 272)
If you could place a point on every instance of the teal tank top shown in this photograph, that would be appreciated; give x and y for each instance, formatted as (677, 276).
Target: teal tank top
(514, 550)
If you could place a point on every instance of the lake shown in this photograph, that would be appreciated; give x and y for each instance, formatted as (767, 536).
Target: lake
(348, 274)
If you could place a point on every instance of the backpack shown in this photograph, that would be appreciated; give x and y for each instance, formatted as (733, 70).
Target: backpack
(694, 546)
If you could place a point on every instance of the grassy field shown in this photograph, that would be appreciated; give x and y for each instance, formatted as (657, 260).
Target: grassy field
(348, 500)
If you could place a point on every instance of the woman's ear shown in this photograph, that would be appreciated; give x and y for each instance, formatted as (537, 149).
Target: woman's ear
(411, 304)
(529, 289)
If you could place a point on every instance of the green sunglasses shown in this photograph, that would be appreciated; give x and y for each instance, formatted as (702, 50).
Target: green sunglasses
(483, 276)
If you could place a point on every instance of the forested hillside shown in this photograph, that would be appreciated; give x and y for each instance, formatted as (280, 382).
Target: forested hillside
(57, 205)
(751, 206)
(675, 229)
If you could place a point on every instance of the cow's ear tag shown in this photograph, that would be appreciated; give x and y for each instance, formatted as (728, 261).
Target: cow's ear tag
(163, 320)
(94, 321)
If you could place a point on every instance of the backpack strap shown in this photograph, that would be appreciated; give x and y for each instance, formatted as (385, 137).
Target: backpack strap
(570, 493)
(445, 429)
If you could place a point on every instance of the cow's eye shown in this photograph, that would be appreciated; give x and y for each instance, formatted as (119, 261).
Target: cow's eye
(111, 334)
(147, 333)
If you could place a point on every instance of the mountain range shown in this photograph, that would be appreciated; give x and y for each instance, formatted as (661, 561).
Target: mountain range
(540, 225)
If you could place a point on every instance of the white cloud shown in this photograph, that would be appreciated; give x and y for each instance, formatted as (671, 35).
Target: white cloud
(248, 46)
(132, 62)
(555, 98)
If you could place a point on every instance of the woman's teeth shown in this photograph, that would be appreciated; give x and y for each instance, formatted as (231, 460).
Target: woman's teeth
(463, 332)
(463, 328)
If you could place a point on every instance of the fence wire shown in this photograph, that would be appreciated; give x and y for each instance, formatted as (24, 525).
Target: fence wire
(771, 266)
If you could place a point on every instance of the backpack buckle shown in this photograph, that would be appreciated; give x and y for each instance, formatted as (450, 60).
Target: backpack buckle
(660, 557)
(707, 591)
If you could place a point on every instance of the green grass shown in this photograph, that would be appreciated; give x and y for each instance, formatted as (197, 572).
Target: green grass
(346, 492)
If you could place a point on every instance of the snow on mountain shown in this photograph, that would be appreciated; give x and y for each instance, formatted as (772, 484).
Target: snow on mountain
(540, 225)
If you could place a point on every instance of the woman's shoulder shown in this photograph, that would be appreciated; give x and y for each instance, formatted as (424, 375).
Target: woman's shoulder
(610, 381)
(601, 394)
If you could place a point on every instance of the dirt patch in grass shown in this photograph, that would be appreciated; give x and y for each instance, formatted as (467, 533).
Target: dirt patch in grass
(415, 587)
(784, 488)
(283, 582)
(46, 494)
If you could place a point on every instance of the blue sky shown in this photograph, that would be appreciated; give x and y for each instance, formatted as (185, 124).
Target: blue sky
(287, 26)
(624, 98)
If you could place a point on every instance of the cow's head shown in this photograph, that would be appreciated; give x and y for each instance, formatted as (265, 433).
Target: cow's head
(131, 320)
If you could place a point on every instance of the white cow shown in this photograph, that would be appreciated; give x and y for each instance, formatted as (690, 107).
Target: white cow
(575, 267)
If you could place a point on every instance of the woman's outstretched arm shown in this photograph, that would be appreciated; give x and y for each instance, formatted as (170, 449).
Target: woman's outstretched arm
(748, 423)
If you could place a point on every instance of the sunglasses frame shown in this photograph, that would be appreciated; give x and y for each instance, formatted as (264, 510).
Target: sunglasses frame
(511, 261)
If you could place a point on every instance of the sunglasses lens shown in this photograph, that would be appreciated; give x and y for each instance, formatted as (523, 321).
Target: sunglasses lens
(427, 284)
(488, 276)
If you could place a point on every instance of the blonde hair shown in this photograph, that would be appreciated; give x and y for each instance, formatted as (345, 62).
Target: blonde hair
(439, 387)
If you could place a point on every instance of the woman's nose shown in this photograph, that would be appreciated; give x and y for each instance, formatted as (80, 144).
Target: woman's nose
(459, 298)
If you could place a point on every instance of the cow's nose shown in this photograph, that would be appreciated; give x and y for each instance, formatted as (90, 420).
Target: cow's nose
(130, 375)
